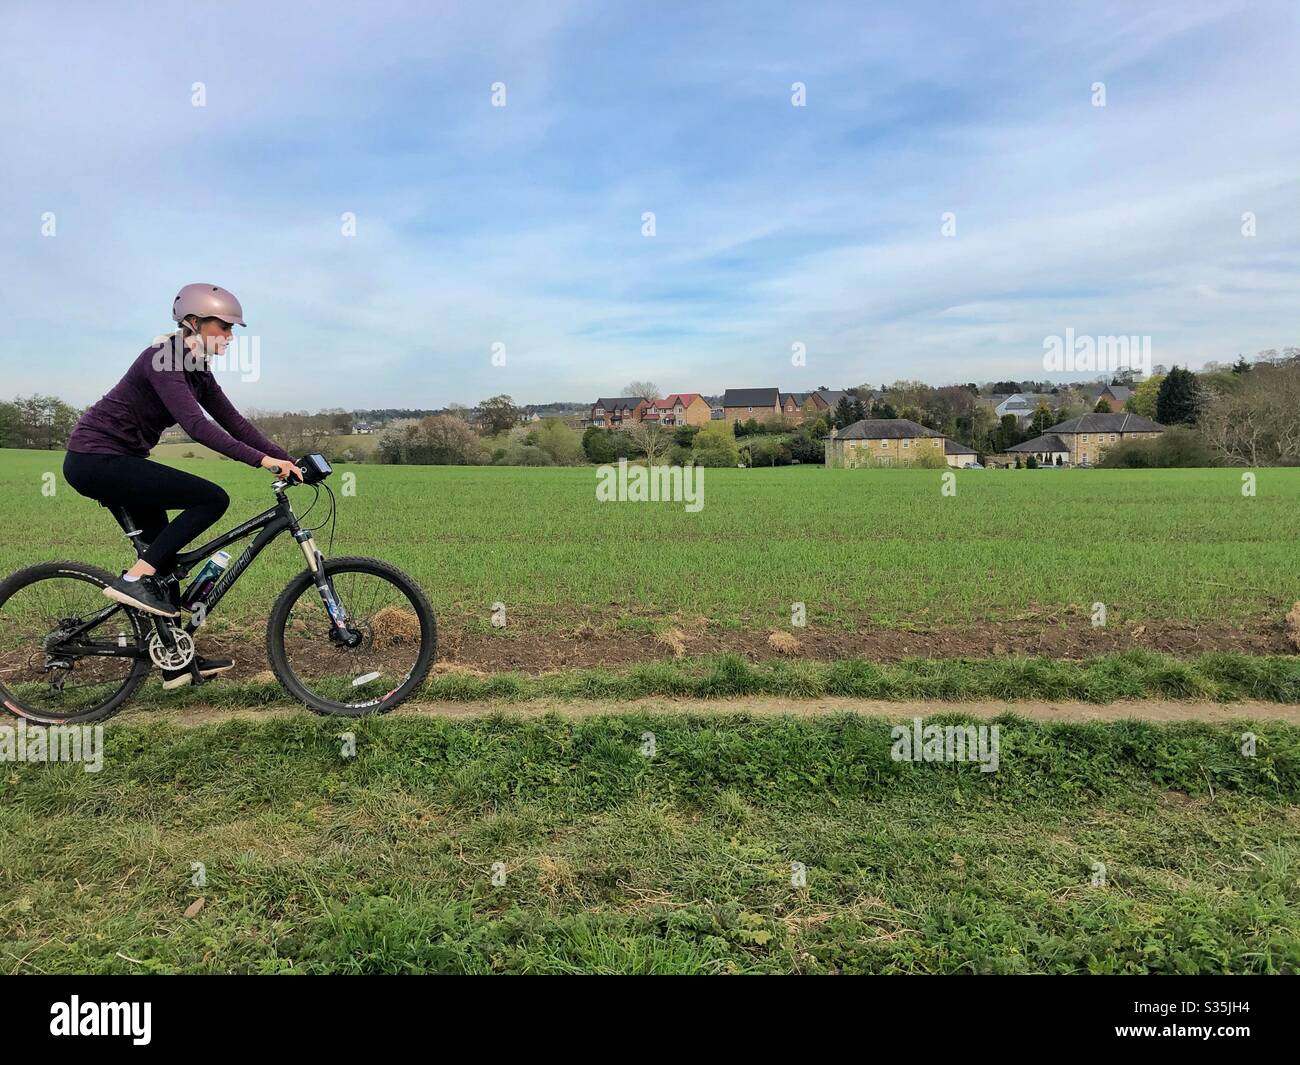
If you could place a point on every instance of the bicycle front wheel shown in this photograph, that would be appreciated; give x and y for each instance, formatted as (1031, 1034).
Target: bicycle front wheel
(381, 658)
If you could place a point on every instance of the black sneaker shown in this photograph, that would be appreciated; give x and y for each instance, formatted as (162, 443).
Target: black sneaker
(208, 667)
(143, 594)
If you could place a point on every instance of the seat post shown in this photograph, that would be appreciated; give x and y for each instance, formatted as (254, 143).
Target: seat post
(129, 528)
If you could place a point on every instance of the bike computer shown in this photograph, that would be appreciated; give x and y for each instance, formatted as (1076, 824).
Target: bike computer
(314, 468)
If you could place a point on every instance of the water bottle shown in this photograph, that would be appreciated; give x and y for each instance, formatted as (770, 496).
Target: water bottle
(202, 584)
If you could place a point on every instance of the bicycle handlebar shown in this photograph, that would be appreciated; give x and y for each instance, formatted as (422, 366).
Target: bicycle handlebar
(315, 469)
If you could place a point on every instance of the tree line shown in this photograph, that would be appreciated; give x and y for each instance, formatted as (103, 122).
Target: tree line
(1246, 413)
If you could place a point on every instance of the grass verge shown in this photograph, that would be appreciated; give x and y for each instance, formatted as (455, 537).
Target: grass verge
(610, 860)
(1222, 677)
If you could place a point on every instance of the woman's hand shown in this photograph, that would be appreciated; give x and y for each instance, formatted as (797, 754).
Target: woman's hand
(283, 467)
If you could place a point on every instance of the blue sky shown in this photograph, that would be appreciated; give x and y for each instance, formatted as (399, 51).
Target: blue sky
(522, 225)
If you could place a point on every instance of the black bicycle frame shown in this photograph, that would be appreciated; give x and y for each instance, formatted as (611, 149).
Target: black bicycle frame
(268, 525)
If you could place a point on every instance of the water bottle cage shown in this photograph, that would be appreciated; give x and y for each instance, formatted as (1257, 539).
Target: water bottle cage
(201, 587)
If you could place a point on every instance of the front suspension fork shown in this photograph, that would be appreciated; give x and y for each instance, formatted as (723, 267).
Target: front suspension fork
(340, 622)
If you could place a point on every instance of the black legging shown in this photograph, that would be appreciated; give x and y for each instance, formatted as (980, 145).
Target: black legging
(148, 490)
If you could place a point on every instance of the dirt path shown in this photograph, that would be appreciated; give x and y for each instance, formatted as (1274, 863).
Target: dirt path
(1039, 710)
(585, 646)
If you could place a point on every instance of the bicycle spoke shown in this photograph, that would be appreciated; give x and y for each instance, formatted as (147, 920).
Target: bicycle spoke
(390, 640)
(34, 673)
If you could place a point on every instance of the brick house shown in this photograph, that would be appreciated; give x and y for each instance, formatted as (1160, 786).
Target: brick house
(613, 413)
(792, 404)
(1115, 397)
(680, 408)
(884, 442)
(741, 404)
(805, 405)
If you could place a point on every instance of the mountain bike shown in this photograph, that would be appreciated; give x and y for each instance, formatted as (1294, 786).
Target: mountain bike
(347, 636)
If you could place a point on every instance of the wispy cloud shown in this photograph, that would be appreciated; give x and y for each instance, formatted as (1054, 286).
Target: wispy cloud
(522, 225)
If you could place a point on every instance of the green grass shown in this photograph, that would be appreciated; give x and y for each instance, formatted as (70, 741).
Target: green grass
(615, 862)
(1221, 677)
(854, 545)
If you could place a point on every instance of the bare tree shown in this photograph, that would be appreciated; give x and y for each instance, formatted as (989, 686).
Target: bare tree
(644, 389)
(650, 437)
(298, 434)
(445, 439)
(1256, 424)
(439, 440)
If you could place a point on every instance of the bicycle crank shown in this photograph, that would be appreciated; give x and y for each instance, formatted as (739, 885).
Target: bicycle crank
(179, 655)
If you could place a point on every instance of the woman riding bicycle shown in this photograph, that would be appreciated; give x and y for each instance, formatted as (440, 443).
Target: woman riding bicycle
(169, 383)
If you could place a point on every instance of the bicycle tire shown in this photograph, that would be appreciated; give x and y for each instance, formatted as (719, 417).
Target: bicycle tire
(25, 578)
(277, 653)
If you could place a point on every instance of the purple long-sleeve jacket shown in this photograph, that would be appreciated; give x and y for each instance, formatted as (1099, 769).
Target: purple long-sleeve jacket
(159, 391)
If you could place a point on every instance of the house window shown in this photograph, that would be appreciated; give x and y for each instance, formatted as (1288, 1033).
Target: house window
(751, 410)
(906, 443)
(1084, 438)
(1112, 438)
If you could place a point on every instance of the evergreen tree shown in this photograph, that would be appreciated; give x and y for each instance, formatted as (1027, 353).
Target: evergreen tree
(1042, 420)
(1179, 399)
(597, 446)
(844, 415)
(1008, 433)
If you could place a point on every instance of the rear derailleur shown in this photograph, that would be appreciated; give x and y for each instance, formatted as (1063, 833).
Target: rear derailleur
(57, 666)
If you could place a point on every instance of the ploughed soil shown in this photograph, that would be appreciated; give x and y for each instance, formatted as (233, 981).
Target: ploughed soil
(585, 646)
(580, 649)
(530, 649)
(1037, 710)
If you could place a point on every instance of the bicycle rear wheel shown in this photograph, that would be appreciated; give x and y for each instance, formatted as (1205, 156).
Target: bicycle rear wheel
(390, 622)
(44, 611)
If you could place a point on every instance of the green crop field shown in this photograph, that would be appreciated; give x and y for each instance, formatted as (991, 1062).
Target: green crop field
(490, 843)
(856, 546)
